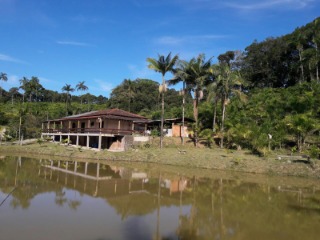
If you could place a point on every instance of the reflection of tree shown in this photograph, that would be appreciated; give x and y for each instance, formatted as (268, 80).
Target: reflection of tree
(60, 198)
(210, 208)
(74, 204)
(133, 204)
(187, 228)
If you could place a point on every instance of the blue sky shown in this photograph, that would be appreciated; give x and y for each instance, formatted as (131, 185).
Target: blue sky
(103, 42)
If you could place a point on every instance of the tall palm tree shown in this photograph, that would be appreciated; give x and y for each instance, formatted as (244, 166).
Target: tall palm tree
(3, 77)
(163, 65)
(130, 87)
(24, 86)
(67, 88)
(227, 84)
(13, 91)
(197, 78)
(181, 75)
(35, 88)
(213, 97)
(81, 87)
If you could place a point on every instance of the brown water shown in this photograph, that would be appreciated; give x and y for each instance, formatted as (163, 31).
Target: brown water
(50, 199)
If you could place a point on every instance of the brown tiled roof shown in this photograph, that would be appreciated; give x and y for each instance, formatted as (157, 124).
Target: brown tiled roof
(107, 113)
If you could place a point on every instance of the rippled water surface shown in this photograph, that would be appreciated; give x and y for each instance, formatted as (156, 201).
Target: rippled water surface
(52, 199)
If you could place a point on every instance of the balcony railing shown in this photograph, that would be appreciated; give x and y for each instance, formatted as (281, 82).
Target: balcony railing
(91, 131)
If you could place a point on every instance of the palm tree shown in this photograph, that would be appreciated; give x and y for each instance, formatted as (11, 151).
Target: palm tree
(35, 88)
(181, 75)
(13, 91)
(162, 65)
(198, 77)
(198, 80)
(81, 87)
(227, 82)
(24, 86)
(195, 75)
(129, 86)
(213, 97)
(67, 88)
(3, 77)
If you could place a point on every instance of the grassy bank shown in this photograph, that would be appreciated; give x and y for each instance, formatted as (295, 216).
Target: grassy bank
(175, 155)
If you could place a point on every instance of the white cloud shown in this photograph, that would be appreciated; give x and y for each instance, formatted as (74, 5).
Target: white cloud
(85, 19)
(268, 4)
(73, 43)
(46, 80)
(102, 85)
(13, 81)
(140, 72)
(170, 40)
(8, 58)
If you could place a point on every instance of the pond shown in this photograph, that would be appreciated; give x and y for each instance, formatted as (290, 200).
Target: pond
(68, 199)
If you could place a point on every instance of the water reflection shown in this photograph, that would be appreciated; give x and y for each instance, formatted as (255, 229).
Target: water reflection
(52, 199)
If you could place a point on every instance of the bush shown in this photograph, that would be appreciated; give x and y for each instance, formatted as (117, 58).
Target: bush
(155, 133)
(314, 152)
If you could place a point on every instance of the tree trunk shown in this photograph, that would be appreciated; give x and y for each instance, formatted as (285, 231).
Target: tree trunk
(214, 116)
(162, 113)
(183, 104)
(317, 63)
(222, 121)
(195, 114)
(20, 121)
(301, 64)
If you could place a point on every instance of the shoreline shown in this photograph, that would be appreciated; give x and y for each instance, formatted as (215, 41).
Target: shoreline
(190, 157)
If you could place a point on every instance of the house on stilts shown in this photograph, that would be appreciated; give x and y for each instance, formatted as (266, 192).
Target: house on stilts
(111, 129)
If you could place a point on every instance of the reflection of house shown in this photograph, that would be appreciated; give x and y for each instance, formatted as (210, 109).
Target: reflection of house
(105, 129)
(176, 185)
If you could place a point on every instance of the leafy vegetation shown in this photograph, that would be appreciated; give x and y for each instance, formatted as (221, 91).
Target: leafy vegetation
(264, 98)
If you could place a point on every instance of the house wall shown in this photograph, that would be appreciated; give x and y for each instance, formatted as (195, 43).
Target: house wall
(111, 124)
(177, 131)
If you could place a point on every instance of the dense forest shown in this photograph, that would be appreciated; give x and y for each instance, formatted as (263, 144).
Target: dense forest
(262, 98)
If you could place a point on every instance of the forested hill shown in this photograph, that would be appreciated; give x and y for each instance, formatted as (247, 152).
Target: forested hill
(283, 61)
